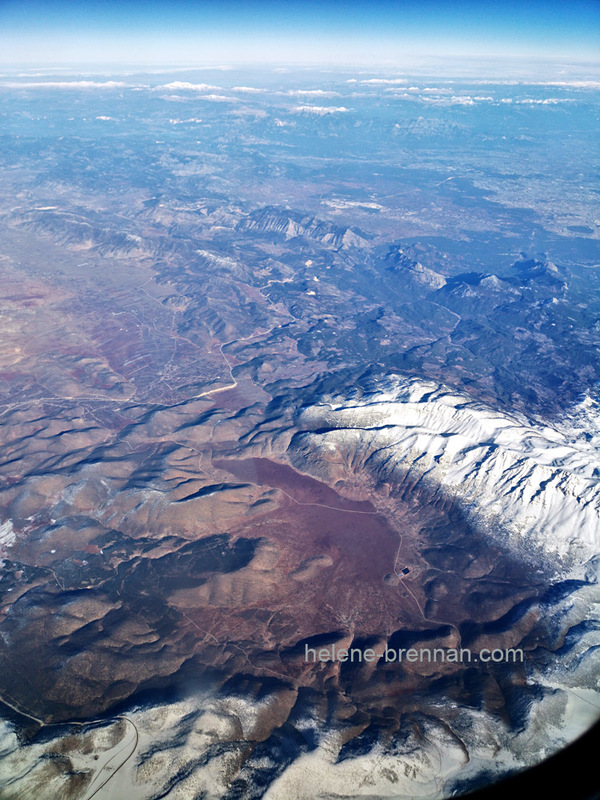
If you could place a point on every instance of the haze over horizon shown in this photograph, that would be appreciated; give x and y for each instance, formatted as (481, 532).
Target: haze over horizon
(309, 32)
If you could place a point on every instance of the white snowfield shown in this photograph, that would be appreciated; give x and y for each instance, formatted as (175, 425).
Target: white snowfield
(7, 534)
(539, 483)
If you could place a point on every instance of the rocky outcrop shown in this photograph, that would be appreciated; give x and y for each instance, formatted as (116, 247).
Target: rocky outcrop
(408, 269)
(289, 224)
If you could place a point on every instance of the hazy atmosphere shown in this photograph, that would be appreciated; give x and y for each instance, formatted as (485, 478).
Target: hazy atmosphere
(315, 31)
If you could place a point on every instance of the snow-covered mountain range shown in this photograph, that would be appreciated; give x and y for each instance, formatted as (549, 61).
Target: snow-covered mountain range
(539, 484)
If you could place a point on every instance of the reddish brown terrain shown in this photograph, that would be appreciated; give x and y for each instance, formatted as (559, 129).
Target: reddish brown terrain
(289, 563)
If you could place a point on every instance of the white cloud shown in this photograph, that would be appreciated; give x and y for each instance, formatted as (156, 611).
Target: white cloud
(320, 110)
(63, 85)
(548, 101)
(418, 90)
(567, 84)
(185, 85)
(313, 92)
(575, 84)
(461, 101)
(219, 98)
(455, 100)
(377, 81)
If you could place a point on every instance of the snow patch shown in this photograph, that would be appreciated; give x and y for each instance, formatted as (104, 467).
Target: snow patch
(7, 535)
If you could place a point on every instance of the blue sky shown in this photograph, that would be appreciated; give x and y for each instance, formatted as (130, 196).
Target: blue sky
(297, 31)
